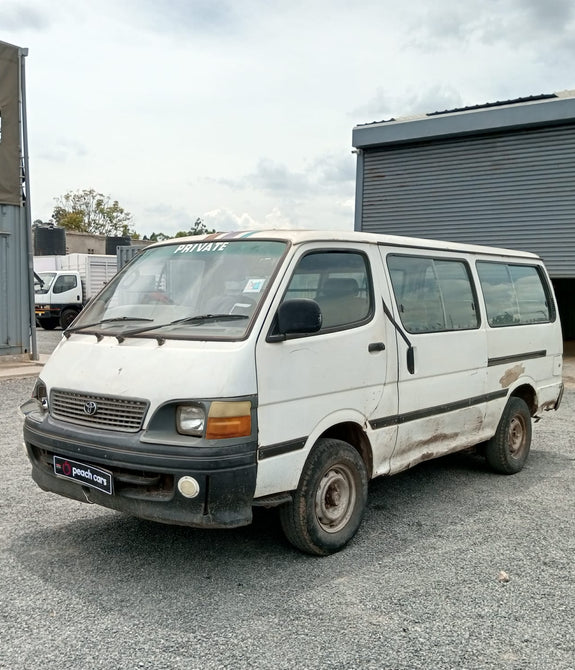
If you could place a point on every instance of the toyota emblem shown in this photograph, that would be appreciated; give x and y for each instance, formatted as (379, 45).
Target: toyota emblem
(90, 408)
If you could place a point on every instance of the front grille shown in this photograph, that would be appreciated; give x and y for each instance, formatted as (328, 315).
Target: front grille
(125, 414)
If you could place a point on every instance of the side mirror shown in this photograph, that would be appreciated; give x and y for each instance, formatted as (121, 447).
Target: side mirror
(301, 316)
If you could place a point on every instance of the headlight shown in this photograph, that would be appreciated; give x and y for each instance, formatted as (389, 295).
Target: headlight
(225, 419)
(190, 420)
(40, 393)
(38, 403)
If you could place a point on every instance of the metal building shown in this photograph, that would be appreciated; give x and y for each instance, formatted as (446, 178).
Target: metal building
(17, 331)
(501, 174)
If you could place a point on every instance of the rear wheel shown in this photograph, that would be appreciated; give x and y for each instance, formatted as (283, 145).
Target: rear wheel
(508, 449)
(66, 318)
(329, 503)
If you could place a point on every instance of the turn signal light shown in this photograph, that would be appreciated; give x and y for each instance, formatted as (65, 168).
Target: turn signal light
(229, 419)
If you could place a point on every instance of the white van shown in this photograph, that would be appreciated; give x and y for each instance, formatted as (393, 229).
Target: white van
(288, 368)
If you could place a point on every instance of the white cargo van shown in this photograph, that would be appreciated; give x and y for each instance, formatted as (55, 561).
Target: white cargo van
(283, 368)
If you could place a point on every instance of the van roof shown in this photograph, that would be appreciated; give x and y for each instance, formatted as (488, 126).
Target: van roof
(302, 236)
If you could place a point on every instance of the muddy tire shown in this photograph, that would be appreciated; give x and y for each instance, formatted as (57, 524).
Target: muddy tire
(507, 451)
(67, 317)
(329, 503)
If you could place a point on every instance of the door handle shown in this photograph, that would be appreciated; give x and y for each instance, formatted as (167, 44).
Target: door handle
(376, 346)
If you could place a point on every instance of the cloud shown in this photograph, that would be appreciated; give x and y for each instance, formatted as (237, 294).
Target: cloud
(515, 23)
(185, 16)
(331, 214)
(167, 219)
(19, 16)
(386, 106)
(62, 150)
(164, 218)
(325, 173)
(225, 219)
(276, 219)
(434, 99)
(334, 169)
(278, 178)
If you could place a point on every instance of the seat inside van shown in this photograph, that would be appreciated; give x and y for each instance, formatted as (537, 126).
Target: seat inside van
(340, 302)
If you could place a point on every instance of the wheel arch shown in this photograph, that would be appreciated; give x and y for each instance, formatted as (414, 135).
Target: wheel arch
(528, 394)
(354, 435)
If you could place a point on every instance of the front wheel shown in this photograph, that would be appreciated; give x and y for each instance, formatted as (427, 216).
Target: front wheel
(328, 505)
(508, 449)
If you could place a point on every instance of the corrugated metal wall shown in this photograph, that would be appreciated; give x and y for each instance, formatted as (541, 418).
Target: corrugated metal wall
(514, 189)
(14, 299)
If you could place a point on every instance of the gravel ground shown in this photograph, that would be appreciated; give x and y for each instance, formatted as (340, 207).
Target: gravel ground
(420, 587)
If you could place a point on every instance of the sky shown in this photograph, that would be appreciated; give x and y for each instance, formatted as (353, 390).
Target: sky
(241, 113)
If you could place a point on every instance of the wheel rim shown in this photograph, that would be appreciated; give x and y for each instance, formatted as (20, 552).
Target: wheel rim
(517, 435)
(335, 498)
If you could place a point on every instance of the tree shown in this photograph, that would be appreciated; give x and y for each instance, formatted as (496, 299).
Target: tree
(87, 211)
(197, 229)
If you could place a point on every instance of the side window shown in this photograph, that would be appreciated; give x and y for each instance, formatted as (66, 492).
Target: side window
(457, 293)
(65, 283)
(514, 294)
(432, 294)
(339, 281)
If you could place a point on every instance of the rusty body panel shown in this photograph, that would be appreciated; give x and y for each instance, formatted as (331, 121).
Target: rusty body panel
(424, 440)
(511, 375)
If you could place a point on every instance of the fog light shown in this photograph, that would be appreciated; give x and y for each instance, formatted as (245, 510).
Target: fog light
(188, 487)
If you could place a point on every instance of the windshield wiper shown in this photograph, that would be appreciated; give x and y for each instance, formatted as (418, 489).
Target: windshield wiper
(195, 320)
(201, 318)
(116, 319)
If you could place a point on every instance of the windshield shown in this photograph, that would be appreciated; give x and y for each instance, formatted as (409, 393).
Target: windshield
(204, 290)
(47, 278)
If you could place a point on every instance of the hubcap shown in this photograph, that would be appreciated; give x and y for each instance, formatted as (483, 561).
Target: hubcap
(335, 498)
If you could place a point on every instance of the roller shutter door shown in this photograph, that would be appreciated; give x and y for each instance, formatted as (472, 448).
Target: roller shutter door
(515, 189)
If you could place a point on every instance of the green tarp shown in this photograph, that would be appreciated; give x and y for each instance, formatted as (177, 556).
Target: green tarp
(10, 176)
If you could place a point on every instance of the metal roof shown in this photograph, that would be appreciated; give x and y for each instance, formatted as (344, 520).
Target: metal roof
(519, 113)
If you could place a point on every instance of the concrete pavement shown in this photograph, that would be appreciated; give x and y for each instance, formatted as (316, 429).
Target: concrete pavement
(21, 366)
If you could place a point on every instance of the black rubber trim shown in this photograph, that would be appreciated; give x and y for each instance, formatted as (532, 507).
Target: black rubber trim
(281, 448)
(497, 252)
(560, 397)
(503, 360)
(438, 409)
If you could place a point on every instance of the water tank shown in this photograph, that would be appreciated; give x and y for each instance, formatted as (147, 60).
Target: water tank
(125, 254)
(113, 242)
(49, 241)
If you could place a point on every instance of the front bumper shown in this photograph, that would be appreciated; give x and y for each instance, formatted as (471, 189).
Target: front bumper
(146, 474)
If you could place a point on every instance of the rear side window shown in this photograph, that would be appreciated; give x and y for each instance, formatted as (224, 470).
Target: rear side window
(433, 294)
(514, 294)
(339, 282)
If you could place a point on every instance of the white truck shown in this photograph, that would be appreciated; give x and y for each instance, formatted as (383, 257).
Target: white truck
(63, 285)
